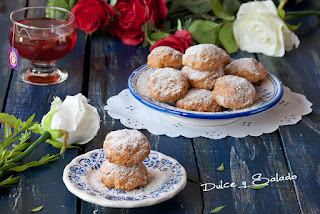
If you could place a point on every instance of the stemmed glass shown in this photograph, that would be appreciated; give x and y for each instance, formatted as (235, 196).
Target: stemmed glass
(42, 35)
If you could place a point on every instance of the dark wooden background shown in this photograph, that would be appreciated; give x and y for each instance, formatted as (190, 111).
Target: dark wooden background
(99, 68)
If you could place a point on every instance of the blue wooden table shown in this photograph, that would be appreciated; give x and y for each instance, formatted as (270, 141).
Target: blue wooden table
(99, 68)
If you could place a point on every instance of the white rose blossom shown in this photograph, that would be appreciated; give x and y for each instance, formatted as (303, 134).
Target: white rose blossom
(74, 115)
(259, 29)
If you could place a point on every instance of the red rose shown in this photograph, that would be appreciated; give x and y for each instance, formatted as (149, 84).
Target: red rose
(157, 11)
(134, 14)
(180, 41)
(91, 15)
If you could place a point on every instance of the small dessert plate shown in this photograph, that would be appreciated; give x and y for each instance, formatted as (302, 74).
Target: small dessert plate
(269, 92)
(166, 178)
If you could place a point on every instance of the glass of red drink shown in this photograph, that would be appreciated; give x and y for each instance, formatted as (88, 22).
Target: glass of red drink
(42, 35)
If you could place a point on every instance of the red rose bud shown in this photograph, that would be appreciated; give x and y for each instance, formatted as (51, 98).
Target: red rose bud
(92, 15)
(180, 41)
(134, 14)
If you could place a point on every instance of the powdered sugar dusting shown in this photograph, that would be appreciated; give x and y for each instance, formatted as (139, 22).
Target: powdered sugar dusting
(197, 96)
(204, 52)
(167, 82)
(132, 171)
(165, 50)
(201, 75)
(198, 100)
(231, 91)
(245, 64)
(128, 141)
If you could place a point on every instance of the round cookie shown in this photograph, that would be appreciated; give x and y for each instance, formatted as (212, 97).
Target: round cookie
(233, 92)
(201, 79)
(199, 100)
(205, 57)
(123, 177)
(126, 147)
(248, 68)
(164, 56)
(167, 84)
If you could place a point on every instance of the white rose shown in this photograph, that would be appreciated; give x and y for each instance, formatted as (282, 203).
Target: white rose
(75, 116)
(259, 29)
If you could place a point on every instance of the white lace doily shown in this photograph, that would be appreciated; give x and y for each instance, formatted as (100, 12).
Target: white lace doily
(136, 115)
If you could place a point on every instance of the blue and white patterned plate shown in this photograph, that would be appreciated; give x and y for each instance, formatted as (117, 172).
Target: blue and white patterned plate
(269, 93)
(166, 178)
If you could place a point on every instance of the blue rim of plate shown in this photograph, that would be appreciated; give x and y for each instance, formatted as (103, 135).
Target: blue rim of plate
(277, 95)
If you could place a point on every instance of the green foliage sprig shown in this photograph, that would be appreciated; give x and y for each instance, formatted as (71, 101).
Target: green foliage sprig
(16, 147)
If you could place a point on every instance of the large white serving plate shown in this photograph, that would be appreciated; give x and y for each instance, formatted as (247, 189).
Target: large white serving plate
(166, 178)
(269, 93)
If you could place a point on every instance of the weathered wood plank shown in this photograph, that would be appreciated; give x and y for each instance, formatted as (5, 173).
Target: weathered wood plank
(5, 8)
(111, 64)
(43, 185)
(242, 159)
(299, 70)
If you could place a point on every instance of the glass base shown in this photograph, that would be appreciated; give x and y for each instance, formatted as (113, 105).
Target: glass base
(34, 77)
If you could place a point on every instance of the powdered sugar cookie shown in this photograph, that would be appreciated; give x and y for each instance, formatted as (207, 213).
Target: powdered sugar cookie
(233, 92)
(126, 147)
(167, 85)
(205, 57)
(164, 56)
(201, 79)
(123, 177)
(199, 100)
(248, 68)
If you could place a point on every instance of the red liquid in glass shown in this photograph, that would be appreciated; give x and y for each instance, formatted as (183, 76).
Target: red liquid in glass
(43, 44)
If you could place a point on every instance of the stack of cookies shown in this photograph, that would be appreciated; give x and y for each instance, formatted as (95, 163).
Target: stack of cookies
(125, 150)
(208, 81)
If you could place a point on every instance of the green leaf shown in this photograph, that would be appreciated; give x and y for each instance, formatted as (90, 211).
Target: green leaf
(45, 159)
(12, 120)
(67, 4)
(58, 144)
(187, 23)
(149, 27)
(259, 186)
(36, 209)
(293, 27)
(16, 127)
(217, 209)
(231, 6)
(7, 130)
(113, 3)
(9, 181)
(194, 180)
(220, 12)
(28, 123)
(1, 147)
(7, 141)
(221, 167)
(179, 27)
(227, 38)
(196, 6)
(281, 12)
(158, 35)
(205, 31)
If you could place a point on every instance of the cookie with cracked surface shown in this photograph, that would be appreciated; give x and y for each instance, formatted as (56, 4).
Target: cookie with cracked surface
(233, 92)
(123, 177)
(167, 84)
(201, 79)
(199, 100)
(248, 68)
(205, 57)
(126, 147)
(164, 56)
